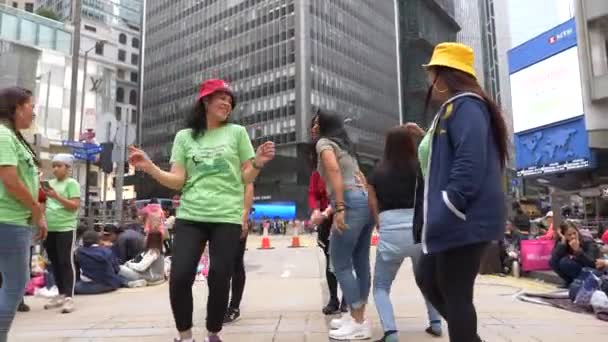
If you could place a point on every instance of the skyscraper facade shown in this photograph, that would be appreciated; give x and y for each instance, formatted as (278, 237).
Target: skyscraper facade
(285, 59)
(110, 12)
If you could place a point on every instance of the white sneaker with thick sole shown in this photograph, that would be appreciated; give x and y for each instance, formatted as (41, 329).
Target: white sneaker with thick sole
(337, 323)
(55, 303)
(352, 330)
(68, 306)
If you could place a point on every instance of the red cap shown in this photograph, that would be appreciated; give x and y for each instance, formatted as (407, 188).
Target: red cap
(213, 86)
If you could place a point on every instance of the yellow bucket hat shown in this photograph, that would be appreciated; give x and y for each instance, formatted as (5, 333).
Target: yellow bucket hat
(454, 55)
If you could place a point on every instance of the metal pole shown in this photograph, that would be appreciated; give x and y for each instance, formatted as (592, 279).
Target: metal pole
(76, 21)
(105, 195)
(397, 44)
(84, 90)
(120, 172)
(142, 54)
(87, 195)
(46, 105)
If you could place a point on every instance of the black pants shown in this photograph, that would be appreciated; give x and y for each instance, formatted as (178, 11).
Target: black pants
(447, 280)
(332, 283)
(60, 249)
(238, 276)
(190, 239)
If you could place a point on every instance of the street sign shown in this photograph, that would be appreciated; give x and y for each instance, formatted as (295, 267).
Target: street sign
(74, 144)
(84, 156)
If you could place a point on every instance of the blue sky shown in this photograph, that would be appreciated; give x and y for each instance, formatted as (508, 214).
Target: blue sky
(529, 18)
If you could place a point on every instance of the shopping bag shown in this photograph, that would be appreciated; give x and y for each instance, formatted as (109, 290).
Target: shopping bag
(535, 254)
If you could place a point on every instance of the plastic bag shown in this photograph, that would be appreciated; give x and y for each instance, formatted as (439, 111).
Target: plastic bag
(590, 285)
(599, 302)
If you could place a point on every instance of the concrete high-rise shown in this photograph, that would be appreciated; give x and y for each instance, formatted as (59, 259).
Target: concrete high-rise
(284, 59)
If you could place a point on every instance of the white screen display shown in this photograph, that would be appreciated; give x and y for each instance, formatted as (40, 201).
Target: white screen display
(547, 92)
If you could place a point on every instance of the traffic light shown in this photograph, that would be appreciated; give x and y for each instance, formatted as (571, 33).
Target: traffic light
(105, 158)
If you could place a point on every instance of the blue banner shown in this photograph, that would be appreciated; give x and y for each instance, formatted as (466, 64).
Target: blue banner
(548, 44)
(556, 148)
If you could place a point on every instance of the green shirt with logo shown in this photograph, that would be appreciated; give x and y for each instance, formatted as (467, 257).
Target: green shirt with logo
(214, 189)
(58, 218)
(13, 152)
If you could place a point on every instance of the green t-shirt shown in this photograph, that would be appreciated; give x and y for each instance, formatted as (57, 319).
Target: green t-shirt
(14, 153)
(423, 152)
(58, 218)
(214, 189)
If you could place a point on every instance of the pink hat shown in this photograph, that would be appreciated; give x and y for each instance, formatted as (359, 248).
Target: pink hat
(213, 86)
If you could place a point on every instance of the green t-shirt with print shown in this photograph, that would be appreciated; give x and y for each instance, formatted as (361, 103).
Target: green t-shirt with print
(58, 218)
(14, 153)
(214, 189)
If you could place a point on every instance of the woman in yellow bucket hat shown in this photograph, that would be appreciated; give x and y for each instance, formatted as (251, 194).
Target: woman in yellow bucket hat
(462, 157)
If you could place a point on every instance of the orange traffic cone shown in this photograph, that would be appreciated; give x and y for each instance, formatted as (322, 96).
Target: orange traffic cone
(374, 239)
(295, 240)
(266, 240)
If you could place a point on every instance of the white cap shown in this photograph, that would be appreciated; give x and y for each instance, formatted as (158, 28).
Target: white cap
(64, 158)
(549, 214)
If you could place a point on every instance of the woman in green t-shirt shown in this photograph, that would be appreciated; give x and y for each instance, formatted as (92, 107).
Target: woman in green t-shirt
(19, 207)
(63, 202)
(212, 161)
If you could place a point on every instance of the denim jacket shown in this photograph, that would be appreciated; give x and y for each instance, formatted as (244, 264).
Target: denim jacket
(464, 202)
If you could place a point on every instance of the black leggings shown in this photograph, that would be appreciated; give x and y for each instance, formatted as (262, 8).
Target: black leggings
(188, 245)
(60, 249)
(447, 280)
(238, 276)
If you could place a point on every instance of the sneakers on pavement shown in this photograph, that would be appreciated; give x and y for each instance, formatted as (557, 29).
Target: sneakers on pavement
(137, 283)
(55, 303)
(232, 315)
(337, 323)
(213, 338)
(351, 330)
(68, 306)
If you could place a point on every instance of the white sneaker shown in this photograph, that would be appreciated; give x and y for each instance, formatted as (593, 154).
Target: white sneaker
(337, 323)
(55, 303)
(68, 306)
(352, 330)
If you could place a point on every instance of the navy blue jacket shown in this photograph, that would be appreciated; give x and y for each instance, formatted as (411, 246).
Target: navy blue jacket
(99, 264)
(464, 202)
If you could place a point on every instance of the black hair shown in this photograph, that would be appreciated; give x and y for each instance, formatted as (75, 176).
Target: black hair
(400, 153)
(112, 229)
(90, 237)
(313, 157)
(10, 98)
(154, 240)
(197, 119)
(331, 126)
(153, 200)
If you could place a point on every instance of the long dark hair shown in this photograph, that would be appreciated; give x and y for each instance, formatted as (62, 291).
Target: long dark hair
(459, 82)
(331, 126)
(313, 157)
(399, 151)
(10, 98)
(197, 119)
(154, 240)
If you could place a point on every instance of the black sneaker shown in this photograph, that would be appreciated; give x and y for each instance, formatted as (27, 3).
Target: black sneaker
(344, 307)
(23, 308)
(333, 308)
(232, 315)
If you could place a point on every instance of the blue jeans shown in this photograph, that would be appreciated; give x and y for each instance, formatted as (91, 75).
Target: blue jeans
(92, 288)
(349, 249)
(566, 268)
(396, 243)
(15, 244)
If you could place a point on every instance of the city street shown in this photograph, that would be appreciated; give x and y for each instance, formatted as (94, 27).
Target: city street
(283, 298)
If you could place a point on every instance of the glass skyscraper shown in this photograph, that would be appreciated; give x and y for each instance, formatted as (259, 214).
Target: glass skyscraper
(110, 12)
(285, 59)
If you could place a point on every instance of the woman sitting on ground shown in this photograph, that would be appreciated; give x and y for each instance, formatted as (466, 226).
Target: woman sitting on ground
(148, 268)
(572, 253)
(98, 267)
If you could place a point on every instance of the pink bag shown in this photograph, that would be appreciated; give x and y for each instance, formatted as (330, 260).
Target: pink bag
(535, 254)
(33, 284)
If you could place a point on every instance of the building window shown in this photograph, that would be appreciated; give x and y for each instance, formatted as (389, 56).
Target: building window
(118, 113)
(134, 59)
(133, 97)
(134, 77)
(135, 43)
(120, 74)
(15, 4)
(90, 28)
(99, 49)
(29, 7)
(122, 39)
(120, 95)
(122, 55)
(133, 116)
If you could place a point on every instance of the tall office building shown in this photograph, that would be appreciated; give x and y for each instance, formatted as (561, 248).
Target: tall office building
(26, 5)
(110, 12)
(422, 25)
(284, 59)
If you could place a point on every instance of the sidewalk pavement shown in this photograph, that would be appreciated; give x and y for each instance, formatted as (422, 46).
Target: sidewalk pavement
(283, 298)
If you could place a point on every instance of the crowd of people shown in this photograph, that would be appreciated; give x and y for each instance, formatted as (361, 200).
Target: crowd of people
(436, 197)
